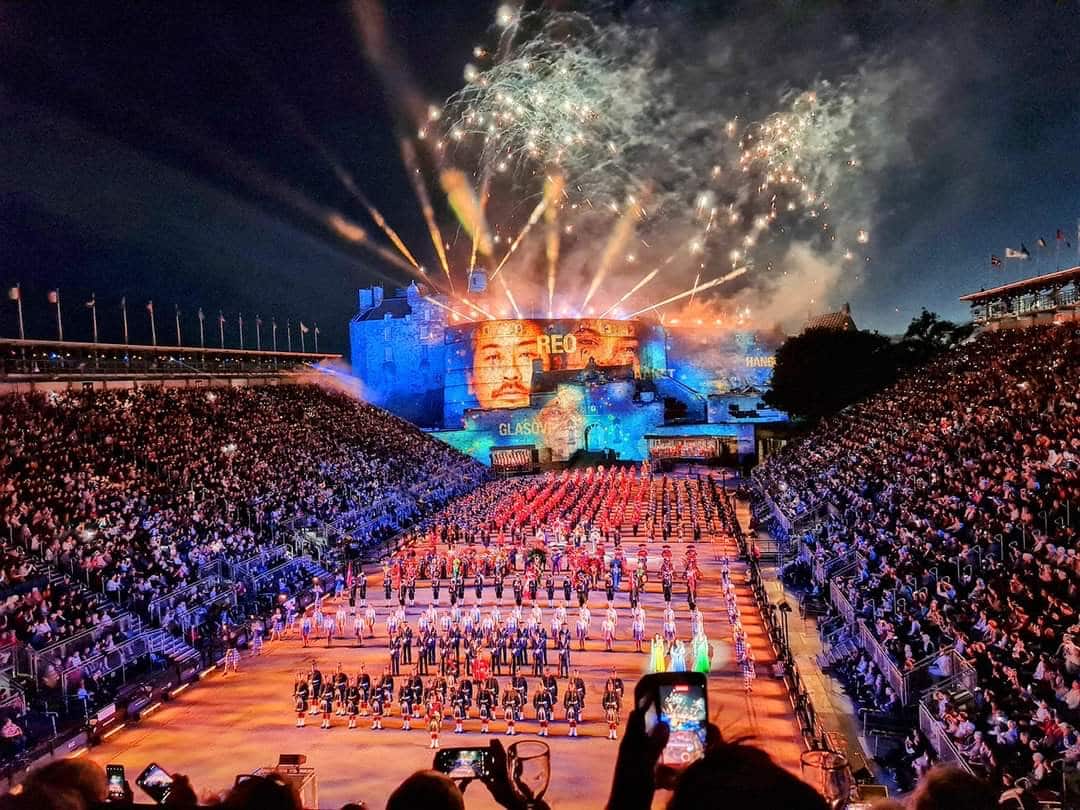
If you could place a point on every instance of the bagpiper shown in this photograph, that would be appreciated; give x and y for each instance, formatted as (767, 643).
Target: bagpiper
(352, 701)
(511, 706)
(301, 693)
(484, 702)
(572, 703)
(327, 707)
(542, 704)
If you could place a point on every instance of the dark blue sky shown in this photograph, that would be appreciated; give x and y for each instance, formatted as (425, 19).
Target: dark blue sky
(163, 151)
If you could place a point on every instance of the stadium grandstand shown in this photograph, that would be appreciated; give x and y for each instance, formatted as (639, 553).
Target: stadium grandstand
(937, 522)
(154, 498)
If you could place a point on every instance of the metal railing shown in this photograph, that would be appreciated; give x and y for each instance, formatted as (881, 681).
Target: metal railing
(939, 739)
(118, 659)
(33, 662)
(906, 683)
(246, 569)
(163, 603)
(287, 566)
(841, 602)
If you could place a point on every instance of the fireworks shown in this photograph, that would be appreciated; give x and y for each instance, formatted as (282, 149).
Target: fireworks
(630, 149)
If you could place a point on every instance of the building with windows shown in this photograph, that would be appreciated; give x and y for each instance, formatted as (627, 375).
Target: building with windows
(1047, 298)
(397, 351)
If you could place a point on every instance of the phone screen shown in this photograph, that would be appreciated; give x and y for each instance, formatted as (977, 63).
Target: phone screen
(463, 763)
(682, 707)
(156, 782)
(115, 774)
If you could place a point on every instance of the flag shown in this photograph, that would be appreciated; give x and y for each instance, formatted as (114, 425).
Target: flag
(995, 261)
(150, 307)
(54, 296)
(14, 294)
(349, 577)
(1041, 242)
(1013, 253)
(303, 328)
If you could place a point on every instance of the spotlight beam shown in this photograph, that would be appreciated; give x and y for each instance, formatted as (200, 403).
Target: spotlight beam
(708, 285)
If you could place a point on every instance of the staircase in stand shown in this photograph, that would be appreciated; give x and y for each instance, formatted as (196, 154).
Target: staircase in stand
(171, 647)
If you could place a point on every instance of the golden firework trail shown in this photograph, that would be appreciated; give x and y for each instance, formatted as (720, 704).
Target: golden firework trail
(510, 297)
(553, 188)
(620, 236)
(697, 278)
(376, 215)
(468, 209)
(533, 219)
(695, 289)
(408, 156)
(643, 281)
(356, 234)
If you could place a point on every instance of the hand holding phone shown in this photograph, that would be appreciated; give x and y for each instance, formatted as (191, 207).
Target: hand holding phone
(680, 701)
(156, 782)
(117, 783)
(464, 763)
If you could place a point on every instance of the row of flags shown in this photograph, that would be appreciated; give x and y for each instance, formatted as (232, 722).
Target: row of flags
(15, 294)
(1023, 254)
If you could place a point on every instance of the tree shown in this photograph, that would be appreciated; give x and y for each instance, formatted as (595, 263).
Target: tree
(928, 335)
(821, 371)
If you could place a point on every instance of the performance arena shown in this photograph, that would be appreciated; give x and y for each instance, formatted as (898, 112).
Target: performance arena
(230, 572)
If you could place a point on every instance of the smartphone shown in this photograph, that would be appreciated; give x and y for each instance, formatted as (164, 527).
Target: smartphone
(680, 700)
(464, 763)
(117, 782)
(155, 782)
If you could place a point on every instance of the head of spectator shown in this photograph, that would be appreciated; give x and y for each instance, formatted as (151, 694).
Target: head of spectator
(429, 790)
(739, 775)
(64, 784)
(263, 793)
(947, 787)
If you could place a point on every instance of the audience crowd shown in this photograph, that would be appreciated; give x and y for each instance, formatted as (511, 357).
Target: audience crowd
(955, 493)
(112, 499)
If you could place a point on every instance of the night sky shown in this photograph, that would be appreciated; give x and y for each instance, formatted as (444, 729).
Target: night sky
(167, 152)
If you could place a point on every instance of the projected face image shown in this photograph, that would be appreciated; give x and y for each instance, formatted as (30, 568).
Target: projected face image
(596, 340)
(503, 355)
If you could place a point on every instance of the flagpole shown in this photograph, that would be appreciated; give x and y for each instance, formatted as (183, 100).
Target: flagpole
(92, 303)
(123, 313)
(315, 326)
(241, 317)
(303, 347)
(178, 341)
(93, 315)
(202, 337)
(59, 318)
(153, 324)
(16, 295)
(273, 331)
(258, 333)
(221, 327)
(288, 333)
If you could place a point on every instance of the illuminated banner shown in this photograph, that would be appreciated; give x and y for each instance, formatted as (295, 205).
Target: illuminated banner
(703, 447)
(506, 459)
(716, 362)
(501, 363)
